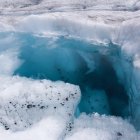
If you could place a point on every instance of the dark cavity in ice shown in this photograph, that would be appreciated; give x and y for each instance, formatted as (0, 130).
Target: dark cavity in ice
(92, 67)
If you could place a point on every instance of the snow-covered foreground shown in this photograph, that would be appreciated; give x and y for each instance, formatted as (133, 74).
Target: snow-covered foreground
(34, 109)
(85, 127)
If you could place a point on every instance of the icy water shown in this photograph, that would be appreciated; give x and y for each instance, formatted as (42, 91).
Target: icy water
(78, 62)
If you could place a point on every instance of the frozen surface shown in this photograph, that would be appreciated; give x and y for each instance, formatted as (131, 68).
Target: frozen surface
(92, 127)
(88, 65)
(25, 101)
(101, 128)
(50, 127)
(28, 110)
(32, 6)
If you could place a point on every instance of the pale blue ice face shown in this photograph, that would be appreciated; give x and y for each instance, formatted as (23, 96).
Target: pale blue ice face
(77, 62)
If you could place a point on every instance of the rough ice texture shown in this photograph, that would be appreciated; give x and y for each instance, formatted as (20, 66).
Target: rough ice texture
(24, 102)
(102, 22)
(52, 128)
(96, 127)
(32, 6)
(119, 27)
(99, 27)
(93, 127)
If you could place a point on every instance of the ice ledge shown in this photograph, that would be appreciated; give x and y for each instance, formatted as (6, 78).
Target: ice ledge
(41, 6)
(24, 102)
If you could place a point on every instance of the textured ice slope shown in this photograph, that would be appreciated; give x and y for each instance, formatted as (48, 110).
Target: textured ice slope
(34, 108)
(24, 101)
(41, 6)
(100, 27)
(101, 128)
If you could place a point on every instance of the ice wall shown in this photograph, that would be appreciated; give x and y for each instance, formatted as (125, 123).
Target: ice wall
(103, 23)
(98, 30)
(88, 65)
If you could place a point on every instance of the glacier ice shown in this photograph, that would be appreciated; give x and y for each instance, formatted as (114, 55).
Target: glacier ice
(92, 44)
(32, 6)
(97, 127)
(94, 101)
(71, 60)
(50, 127)
(23, 102)
(92, 127)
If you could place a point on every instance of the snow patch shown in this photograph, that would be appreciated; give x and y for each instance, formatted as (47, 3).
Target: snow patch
(101, 128)
(24, 102)
(50, 127)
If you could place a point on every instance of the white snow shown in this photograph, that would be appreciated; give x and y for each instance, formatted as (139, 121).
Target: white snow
(101, 27)
(25, 101)
(50, 127)
(9, 62)
(96, 127)
(93, 127)
(32, 6)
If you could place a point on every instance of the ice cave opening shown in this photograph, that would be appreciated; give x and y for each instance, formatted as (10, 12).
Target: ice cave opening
(93, 67)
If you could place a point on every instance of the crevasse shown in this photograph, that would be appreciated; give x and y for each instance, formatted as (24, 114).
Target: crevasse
(69, 71)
